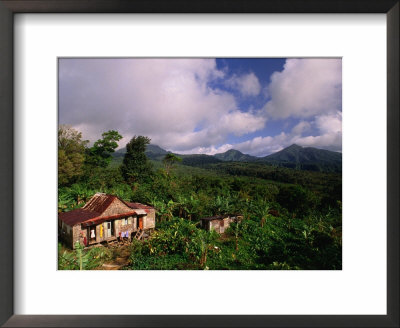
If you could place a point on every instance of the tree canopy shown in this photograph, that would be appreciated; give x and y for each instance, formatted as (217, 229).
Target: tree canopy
(100, 154)
(71, 154)
(135, 166)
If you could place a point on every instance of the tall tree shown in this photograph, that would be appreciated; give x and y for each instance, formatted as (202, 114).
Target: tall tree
(71, 154)
(169, 161)
(135, 166)
(100, 154)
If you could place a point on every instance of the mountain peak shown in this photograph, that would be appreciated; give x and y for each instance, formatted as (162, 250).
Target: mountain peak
(294, 146)
(307, 158)
(232, 151)
(233, 155)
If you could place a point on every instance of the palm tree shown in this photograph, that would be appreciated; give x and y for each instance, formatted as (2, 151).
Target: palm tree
(169, 161)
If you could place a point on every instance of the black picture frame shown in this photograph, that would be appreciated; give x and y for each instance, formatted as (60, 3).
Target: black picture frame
(8, 200)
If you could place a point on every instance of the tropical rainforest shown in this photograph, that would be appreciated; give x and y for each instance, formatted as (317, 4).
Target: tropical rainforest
(290, 202)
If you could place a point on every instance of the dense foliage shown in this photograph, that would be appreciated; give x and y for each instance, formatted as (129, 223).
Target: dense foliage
(292, 218)
(100, 154)
(71, 154)
(135, 166)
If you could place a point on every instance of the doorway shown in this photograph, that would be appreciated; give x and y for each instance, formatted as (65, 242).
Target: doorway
(109, 229)
(221, 226)
(140, 223)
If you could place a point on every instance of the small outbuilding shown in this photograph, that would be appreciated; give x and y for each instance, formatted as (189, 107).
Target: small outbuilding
(219, 223)
(105, 218)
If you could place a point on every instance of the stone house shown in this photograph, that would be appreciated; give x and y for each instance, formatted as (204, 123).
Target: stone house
(219, 223)
(105, 218)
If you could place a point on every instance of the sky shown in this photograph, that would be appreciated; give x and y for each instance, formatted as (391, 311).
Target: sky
(206, 105)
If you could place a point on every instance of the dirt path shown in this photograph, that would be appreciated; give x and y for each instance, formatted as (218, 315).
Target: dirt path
(121, 259)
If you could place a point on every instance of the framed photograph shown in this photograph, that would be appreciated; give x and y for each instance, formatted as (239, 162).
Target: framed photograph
(194, 153)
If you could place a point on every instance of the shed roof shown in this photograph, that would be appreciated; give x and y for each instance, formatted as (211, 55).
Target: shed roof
(216, 217)
(139, 205)
(221, 217)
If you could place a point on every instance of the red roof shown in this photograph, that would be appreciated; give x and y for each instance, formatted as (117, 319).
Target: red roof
(102, 219)
(139, 205)
(99, 202)
(91, 212)
(77, 216)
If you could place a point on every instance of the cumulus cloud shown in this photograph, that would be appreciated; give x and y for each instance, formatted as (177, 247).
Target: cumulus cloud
(305, 87)
(247, 84)
(212, 150)
(176, 102)
(329, 123)
(169, 100)
(330, 133)
(301, 127)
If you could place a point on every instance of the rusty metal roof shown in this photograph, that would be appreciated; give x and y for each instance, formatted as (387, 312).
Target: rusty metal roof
(77, 216)
(220, 217)
(144, 207)
(99, 202)
(90, 213)
(101, 219)
(140, 211)
(216, 217)
(139, 205)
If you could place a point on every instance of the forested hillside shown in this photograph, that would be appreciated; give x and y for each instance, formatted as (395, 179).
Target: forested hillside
(306, 158)
(294, 156)
(292, 217)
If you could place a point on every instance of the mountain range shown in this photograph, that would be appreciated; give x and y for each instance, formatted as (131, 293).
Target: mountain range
(294, 156)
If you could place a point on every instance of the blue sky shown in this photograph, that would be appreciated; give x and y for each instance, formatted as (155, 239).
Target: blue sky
(255, 105)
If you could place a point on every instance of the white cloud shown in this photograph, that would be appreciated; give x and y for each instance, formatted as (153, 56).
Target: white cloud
(330, 128)
(168, 100)
(247, 84)
(301, 127)
(305, 87)
(171, 101)
(262, 146)
(329, 123)
(207, 150)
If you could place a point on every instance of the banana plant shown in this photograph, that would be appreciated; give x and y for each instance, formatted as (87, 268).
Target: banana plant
(64, 201)
(262, 210)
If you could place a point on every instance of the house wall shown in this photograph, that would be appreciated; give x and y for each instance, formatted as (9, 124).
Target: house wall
(149, 221)
(78, 235)
(130, 227)
(66, 233)
(216, 225)
(116, 207)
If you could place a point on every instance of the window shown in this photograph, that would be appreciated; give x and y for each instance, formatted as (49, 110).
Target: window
(124, 221)
(93, 233)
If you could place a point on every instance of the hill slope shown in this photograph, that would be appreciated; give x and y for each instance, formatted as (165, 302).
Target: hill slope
(234, 155)
(294, 156)
(153, 152)
(307, 158)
